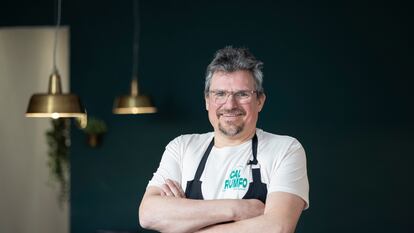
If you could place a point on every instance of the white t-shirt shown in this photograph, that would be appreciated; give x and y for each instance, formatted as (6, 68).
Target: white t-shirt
(226, 175)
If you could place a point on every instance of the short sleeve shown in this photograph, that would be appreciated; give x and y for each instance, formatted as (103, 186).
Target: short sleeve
(290, 173)
(170, 165)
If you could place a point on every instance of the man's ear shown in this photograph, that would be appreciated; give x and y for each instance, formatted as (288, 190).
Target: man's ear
(261, 101)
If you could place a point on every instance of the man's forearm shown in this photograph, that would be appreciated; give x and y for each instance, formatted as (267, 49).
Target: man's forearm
(263, 223)
(172, 214)
(281, 216)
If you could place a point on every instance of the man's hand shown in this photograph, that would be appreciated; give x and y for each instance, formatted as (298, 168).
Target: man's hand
(172, 188)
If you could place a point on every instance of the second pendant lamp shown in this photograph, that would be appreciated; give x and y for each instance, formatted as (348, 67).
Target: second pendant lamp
(134, 103)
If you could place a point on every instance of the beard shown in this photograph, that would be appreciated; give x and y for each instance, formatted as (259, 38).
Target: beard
(231, 128)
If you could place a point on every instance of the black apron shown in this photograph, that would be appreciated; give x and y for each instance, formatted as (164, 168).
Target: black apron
(257, 189)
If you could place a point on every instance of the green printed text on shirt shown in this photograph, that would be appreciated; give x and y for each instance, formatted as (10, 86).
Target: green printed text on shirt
(235, 181)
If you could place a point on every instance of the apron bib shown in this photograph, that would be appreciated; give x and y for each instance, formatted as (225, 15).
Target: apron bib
(257, 189)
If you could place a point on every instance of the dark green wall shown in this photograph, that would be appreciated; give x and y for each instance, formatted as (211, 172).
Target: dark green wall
(337, 77)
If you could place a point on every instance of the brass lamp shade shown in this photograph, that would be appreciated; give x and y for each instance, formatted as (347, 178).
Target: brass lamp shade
(129, 104)
(134, 103)
(55, 104)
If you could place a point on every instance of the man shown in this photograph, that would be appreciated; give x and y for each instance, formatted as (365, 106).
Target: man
(237, 178)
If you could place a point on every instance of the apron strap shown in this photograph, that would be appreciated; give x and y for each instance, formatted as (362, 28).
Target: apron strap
(203, 161)
(254, 150)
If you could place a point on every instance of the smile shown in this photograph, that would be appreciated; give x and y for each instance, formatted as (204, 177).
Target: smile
(233, 113)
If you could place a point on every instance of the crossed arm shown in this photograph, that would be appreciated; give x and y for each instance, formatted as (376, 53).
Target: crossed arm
(166, 209)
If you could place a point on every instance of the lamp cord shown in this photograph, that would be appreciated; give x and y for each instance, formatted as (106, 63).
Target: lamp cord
(56, 33)
(136, 38)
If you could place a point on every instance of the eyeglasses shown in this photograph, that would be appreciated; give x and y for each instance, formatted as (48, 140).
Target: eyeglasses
(242, 97)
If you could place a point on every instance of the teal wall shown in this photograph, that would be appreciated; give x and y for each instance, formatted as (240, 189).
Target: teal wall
(337, 77)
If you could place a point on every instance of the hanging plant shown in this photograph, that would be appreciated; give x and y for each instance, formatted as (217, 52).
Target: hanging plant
(95, 129)
(58, 139)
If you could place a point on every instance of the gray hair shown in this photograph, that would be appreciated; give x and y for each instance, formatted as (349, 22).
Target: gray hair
(231, 59)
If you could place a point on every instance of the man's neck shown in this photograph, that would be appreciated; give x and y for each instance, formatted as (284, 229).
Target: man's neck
(221, 140)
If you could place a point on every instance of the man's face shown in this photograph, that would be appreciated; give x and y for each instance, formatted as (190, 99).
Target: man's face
(232, 118)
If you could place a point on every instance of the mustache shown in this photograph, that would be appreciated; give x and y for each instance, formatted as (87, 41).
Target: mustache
(235, 111)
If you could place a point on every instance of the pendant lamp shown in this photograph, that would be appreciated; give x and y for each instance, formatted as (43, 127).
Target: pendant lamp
(54, 103)
(134, 103)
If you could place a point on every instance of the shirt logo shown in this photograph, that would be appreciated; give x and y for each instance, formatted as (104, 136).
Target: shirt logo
(235, 180)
